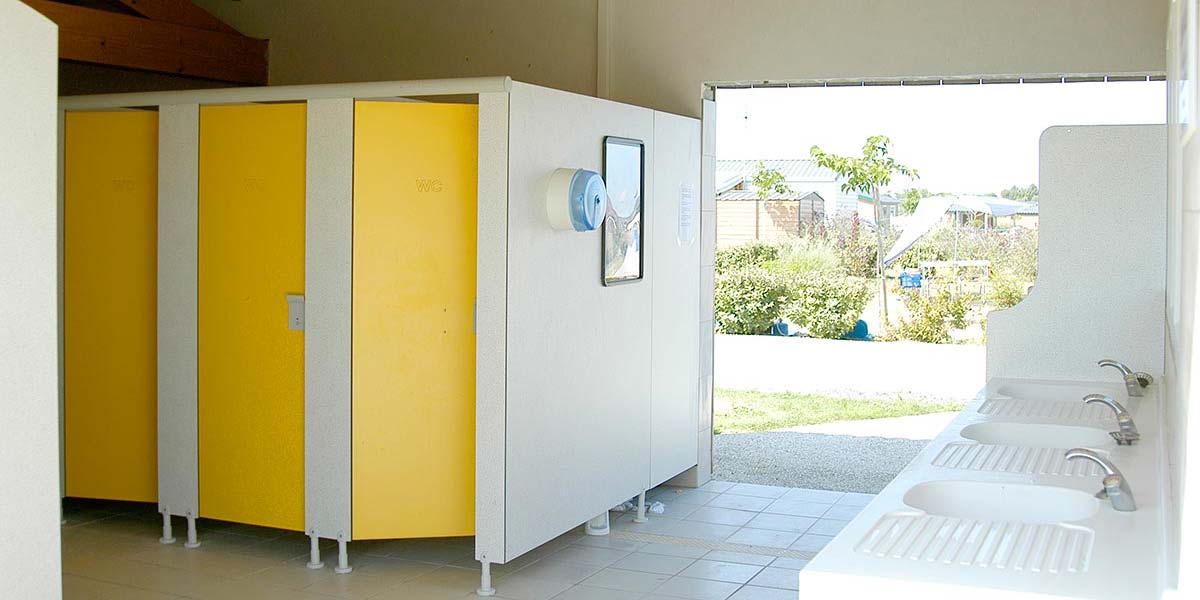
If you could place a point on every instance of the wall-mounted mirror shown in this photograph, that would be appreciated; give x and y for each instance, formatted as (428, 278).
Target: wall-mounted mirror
(624, 176)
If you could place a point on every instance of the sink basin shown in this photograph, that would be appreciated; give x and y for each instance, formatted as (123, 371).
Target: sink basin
(987, 501)
(1037, 435)
(1050, 392)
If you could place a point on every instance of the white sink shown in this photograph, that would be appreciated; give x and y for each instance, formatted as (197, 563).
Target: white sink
(1037, 435)
(1045, 392)
(992, 501)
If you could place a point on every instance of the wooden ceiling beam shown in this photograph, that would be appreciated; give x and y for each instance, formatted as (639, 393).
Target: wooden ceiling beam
(108, 38)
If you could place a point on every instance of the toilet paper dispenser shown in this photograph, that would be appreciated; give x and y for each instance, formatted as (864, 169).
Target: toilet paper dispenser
(576, 200)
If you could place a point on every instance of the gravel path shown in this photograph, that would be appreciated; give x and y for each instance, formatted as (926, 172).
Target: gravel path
(812, 460)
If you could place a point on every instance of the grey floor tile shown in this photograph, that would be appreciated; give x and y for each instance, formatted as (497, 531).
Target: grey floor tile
(754, 489)
(807, 495)
(775, 577)
(827, 526)
(739, 557)
(798, 508)
(654, 563)
(844, 512)
(811, 542)
(721, 516)
(630, 581)
(751, 503)
(697, 589)
(751, 592)
(721, 571)
(782, 522)
(763, 537)
(674, 550)
(856, 499)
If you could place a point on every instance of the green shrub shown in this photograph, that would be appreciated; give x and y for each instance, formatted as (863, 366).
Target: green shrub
(806, 256)
(748, 300)
(751, 254)
(827, 303)
(854, 243)
(933, 317)
(1007, 291)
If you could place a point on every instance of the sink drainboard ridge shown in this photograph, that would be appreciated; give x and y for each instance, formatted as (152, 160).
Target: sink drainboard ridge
(1036, 548)
(998, 458)
(1075, 411)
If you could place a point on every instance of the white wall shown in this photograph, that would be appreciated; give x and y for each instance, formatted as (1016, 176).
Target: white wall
(1101, 260)
(590, 410)
(29, 484)
(673, 210)
(1182, 361)
(658, 53)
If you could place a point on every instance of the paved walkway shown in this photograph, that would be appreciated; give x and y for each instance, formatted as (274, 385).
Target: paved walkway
(780, 364)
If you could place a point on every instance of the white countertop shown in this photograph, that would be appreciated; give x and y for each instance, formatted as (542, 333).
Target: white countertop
(896, 550)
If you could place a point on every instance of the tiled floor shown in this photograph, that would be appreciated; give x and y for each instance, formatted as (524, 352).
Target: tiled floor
(111, 551)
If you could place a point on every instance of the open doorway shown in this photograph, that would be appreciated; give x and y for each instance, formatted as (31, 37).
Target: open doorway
(827, 375)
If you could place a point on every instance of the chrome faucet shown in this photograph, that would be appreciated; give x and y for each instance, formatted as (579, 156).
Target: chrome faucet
(1128, 432)
(1135, 382)
(1116, 489)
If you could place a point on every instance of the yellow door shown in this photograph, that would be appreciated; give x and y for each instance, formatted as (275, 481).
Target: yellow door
(110, 222)
(413, 342)
(251, 366)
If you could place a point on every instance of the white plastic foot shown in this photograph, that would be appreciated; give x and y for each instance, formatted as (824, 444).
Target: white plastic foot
(167, 536)
(485, 580)
(343, 565)
(314, 552)
(192, 541)
(598, 525)
(641, 512)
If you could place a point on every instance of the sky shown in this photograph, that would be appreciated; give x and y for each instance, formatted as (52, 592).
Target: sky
(961, 138)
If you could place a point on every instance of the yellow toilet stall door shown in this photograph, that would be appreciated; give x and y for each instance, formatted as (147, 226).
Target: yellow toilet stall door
(110, 213)
(251, 365)
(413, 342)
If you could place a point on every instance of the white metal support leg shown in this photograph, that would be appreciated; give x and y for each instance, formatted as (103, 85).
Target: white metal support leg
(343, 565)
(641, 511)
(192, 541)
(314, 551)
(598, 525)
(167, 537)
(485, 579)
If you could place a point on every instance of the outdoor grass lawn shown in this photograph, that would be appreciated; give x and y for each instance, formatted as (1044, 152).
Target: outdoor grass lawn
(738, 411)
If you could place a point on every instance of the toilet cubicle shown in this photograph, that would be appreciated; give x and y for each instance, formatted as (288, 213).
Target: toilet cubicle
(279, 304)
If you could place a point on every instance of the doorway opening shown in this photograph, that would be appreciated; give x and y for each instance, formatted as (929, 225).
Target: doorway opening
(850, 309)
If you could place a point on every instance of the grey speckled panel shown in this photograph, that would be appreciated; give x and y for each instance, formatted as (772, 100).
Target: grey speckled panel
(328, 251)
(178, 182)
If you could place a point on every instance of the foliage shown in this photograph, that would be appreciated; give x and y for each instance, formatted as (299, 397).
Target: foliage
(874, 169)
(752, 254)
(855, 245)
(1022, 193)
(911, 197)
(826, 303)
(1007, 290)
(738, 411)
(1012, 251)
(933, 317)
(768, 182)
(807, 255)
(748, 300)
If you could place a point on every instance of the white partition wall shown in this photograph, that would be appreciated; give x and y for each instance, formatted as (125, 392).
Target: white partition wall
(328, 241)
(597, 398)
(578, 353)
(29, 450)
(674, 206)
(178, 222)
(1096, 296)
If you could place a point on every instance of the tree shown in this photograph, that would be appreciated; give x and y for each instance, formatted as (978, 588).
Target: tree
(768, 181)
(1027, 193)
(911, 198)
(866, 174)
